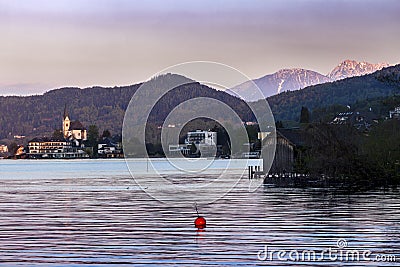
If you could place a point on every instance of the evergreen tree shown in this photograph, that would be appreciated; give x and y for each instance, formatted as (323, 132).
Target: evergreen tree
(58, 134)
(304, 115)
(12, 148)
(92, 139)
(106, 134)
(279, 124)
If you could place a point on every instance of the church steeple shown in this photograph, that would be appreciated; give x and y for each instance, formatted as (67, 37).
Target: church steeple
(66, 122)
(65, 111)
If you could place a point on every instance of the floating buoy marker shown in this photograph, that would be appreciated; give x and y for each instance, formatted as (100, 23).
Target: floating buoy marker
(200, 222)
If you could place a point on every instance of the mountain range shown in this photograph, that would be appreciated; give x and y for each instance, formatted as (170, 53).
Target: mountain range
(297, 78)
(380, 84)
(40, 115)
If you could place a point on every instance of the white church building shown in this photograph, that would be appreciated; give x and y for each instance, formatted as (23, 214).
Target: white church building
(73, 130)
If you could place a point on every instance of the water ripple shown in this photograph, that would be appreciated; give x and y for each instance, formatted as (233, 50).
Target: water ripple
(108, 221)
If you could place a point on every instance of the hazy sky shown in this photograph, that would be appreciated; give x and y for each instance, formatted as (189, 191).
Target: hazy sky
(48, 43)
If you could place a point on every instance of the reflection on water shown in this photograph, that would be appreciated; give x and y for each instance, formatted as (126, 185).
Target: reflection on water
(91, 212)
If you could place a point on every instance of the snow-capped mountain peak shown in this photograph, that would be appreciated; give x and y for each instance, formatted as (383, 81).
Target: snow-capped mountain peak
(297, 78)
(280, 81)
(350, 68)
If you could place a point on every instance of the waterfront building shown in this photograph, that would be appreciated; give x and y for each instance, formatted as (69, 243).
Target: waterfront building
(202, 137)
(69, 146)
(3, 149)
(283, 158)
(54, 149)
(197, 143)
(20, 153)
(107, 149)
(184, 149)
(205, 142)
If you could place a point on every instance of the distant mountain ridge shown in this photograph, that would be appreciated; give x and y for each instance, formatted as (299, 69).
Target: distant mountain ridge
(352, 68)
(280, 81)
(382, 83)
(297, 78)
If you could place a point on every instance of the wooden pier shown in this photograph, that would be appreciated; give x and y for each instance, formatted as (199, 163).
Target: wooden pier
(255, 172)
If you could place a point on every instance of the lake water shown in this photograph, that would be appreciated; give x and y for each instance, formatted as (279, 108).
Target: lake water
(91, 212)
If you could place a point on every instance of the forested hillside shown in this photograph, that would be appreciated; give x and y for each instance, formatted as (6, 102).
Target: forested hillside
(41, 114)
(105, 107)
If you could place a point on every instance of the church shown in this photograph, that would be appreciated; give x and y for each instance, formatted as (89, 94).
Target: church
(73, 130)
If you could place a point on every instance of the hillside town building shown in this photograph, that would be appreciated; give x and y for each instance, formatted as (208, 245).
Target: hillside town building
(395, 114)
(359, 120)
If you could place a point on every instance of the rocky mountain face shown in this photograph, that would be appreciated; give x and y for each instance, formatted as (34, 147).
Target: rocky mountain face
(352, 68)
(280, 81)
(295, 79)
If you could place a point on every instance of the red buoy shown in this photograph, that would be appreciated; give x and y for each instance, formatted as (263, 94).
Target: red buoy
(200, 222)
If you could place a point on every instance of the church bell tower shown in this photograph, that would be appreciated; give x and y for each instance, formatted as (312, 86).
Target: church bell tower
(66, 122)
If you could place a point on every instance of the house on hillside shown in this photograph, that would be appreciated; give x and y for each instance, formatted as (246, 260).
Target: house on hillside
(360, 120)
(395, 114)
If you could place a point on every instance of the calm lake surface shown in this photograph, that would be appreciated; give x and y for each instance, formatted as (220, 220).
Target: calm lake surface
(91, 212)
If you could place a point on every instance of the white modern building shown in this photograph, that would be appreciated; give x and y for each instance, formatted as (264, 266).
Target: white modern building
(202, 137)
(205, 143)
